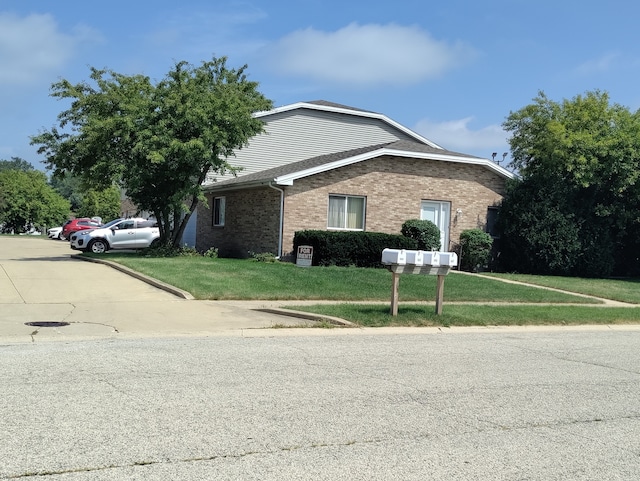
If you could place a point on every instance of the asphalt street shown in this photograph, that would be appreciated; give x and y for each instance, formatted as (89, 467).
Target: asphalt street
(486, 405)
(311, 404)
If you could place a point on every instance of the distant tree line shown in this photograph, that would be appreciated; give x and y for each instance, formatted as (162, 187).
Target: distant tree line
(27, 201)
(30, 201)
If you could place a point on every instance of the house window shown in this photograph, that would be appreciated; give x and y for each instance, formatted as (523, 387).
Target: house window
(218, 211)
(439, 213)
(346, 212)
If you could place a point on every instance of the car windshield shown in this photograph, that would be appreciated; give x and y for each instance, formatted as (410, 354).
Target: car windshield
(113, 222)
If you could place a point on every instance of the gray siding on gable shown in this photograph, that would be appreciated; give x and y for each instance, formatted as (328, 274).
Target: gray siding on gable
(304, 133)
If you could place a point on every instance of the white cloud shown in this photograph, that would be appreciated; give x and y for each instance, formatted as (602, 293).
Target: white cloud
(32, 46)
(367, 55)
(601, 64)
(215, 31)
(455, 135)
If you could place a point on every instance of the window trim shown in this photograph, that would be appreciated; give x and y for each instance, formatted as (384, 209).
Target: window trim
(346, 198)
(219, 219)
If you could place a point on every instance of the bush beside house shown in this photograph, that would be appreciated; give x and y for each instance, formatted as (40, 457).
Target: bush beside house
(475, 249)
(340, 248)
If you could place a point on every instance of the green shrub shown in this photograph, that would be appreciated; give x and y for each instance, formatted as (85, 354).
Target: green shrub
(212, 252)
(424, 232)
(340, 248)
(263, 257)
(475, 248)
(166, 250)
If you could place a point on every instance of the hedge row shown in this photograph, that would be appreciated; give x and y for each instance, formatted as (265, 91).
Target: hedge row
(340, 248)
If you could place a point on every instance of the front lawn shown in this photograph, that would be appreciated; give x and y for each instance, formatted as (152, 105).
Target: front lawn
(235, 279)
(363, 295)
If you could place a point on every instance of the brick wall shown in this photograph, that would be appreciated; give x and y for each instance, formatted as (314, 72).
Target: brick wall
(393, 186)
(252, 223)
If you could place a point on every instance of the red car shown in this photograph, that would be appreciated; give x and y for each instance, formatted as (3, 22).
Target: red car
(74, 225)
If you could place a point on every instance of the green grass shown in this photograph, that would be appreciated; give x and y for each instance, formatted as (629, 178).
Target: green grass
(233, 279)
(363, 295)
(625, 290)
(368, 315)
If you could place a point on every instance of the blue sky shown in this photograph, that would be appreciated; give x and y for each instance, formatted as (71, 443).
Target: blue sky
(451, 71)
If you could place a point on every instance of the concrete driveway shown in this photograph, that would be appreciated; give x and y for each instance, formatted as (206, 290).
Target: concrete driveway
(41, 281)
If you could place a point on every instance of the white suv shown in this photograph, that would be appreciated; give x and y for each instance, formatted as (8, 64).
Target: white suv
(135, 233)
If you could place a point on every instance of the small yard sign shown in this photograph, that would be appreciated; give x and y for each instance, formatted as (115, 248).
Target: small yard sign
(305, 256)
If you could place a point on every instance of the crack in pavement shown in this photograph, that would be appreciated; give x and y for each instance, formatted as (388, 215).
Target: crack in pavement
(315, 445)
(13, 284)
(189, 460)
(566, 358)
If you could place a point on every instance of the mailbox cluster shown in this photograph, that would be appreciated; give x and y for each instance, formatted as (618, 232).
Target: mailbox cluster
(402, 257)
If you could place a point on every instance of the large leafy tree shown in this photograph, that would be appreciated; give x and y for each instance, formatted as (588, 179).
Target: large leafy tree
(103, 203)
(69, 187)
(26, 201)
(156, 141)
(575, 208)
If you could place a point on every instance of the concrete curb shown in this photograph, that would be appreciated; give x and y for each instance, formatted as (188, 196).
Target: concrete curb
(185, 295)
(310, 316)
(149, 280)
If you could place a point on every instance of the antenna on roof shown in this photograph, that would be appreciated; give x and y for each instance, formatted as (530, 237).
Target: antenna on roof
(504, 156)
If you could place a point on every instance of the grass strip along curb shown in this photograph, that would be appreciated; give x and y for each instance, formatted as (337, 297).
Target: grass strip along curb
(361, 296)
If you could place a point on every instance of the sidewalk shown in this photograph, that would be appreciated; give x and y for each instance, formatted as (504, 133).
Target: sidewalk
(42, 281)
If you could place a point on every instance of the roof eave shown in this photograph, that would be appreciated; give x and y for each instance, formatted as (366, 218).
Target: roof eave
(288, 179)
(214, 187)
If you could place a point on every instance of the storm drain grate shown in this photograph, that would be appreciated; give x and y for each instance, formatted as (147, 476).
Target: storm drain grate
(46, 324)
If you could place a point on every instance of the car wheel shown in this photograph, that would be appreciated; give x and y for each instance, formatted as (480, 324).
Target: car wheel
(155, 243)
(98, 246)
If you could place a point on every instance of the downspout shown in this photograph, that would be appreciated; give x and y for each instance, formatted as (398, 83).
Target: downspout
(281, 218)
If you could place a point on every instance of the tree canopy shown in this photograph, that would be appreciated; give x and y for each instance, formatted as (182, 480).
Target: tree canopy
(27, 201)
(156, 141)
(16, 163)
(103, 203)
(575, 209)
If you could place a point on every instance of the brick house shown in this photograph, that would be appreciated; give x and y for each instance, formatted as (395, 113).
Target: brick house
(325, 166)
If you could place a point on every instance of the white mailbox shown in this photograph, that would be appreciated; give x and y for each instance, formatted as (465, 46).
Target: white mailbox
(431, 258)
(394, 256)
(448, 259)
(415, 258)
(401, 261)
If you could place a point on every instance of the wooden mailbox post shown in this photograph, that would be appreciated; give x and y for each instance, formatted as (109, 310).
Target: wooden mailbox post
(413, 262)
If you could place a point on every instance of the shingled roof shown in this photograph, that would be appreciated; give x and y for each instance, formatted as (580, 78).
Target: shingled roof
(326, 103)
(404, 148)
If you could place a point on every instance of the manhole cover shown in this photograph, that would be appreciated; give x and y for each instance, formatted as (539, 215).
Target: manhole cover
(46, 324)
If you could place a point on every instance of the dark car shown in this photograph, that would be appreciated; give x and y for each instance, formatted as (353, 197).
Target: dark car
(75, 225)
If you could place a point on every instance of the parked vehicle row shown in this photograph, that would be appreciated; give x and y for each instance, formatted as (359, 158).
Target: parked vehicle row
(133, 233)
(82, 223)
(54, 232)
(90, 235)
